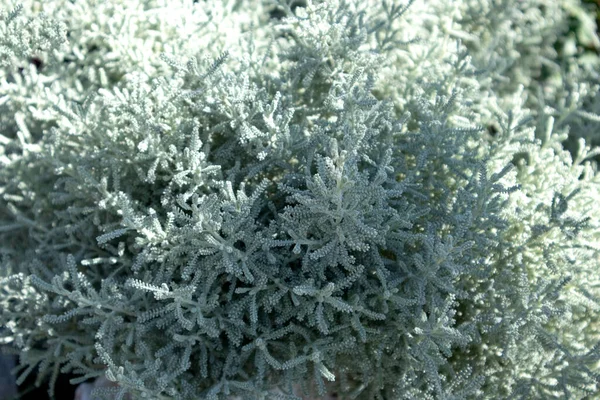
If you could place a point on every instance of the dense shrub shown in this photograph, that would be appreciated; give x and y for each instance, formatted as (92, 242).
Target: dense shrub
(271, 200)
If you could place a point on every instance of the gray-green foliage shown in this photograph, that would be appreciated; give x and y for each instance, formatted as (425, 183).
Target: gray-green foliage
(210, 199)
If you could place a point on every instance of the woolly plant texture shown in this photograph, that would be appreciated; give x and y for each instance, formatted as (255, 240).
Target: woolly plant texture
(285, 200)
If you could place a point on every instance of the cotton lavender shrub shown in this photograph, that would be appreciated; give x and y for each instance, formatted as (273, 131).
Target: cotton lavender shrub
(284, 200)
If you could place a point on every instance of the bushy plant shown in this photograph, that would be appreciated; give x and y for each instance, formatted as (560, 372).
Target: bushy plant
(382, 200)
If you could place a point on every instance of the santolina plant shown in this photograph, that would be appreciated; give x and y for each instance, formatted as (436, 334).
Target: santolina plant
(286, 200)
